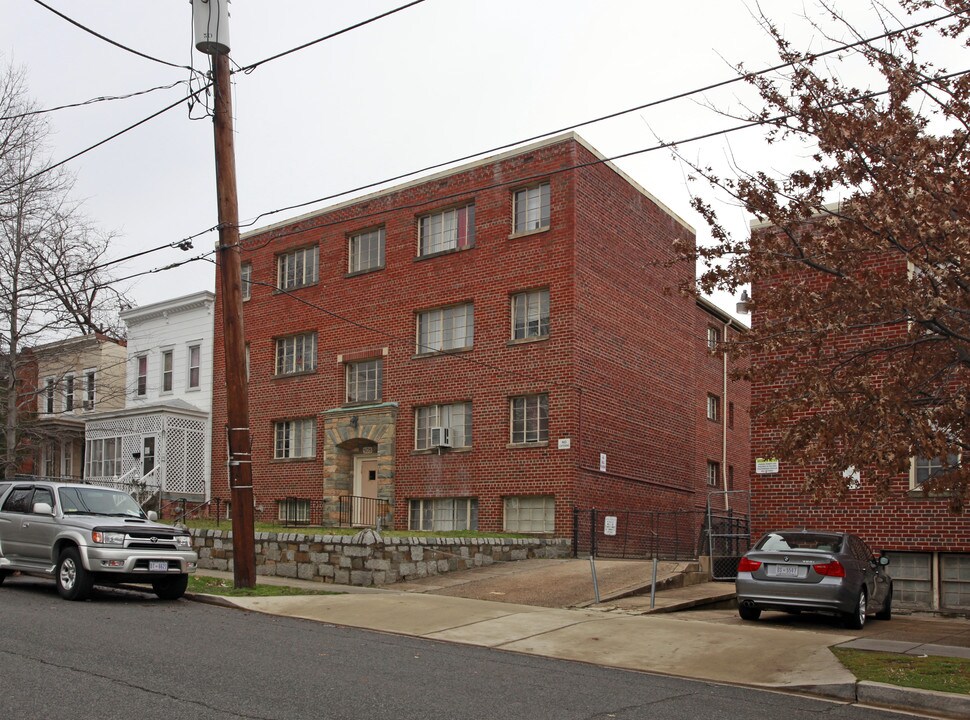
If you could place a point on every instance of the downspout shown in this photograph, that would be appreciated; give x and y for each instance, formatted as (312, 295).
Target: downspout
(724, 421)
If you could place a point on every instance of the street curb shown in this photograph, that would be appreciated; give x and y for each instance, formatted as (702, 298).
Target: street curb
(894, 696)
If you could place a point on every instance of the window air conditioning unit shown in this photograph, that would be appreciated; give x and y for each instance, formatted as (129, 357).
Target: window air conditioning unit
(440, 437)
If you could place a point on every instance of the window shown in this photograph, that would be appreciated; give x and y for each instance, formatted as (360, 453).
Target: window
(730, 477)
(102, 457)
(713, 338)
(168, 366)
(364, 381)
(713, 407)
(195, 366)
(731, 415)
(452, 229)
(366, 251)
(531, 208)
(68, 393)
(449, 328)
(456, 417)
(297, 269)
(247, 361)
(530, 315)
(912, 579)
(246, 275)
(141, 383)
(954, 580)
(89, 391)
(713, 472)
(443, 514)
(530, 514)
(295, 439)
(924, 469)
(294, 510)
(530, 419)
(49, 386)
(296, 354)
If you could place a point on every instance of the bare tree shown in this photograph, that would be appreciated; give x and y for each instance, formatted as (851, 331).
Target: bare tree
(52, 282)
(861, 325)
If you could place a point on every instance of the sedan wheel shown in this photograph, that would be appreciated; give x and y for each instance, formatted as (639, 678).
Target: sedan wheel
(856, 619)
(749, 613)
(887, 607)
(73, 581)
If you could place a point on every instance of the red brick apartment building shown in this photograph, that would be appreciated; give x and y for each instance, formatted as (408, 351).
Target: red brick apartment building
(928, 545)
(485, 348)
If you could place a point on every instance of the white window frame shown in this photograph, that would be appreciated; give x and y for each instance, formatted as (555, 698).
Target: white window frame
(529, 419)
(530, 315)
(50, 391)
(296, 510)
(531, 208)
(294, 439)
(90, 387)
(446, 328)
(365, 250)
(168, 371)
(364, 381)
(713, 337)
(246, 278)
(194, 365)
(443, 514)
(713, 407)
(141, 375)
(69, 391)
(933, 467)
(296, 354)
(97, 462)
(713, 473)
(440, 231)
(457, 417)
(537, 509)
(297, 268)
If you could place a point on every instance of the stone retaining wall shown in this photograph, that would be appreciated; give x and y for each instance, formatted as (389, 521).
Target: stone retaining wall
(367, 558)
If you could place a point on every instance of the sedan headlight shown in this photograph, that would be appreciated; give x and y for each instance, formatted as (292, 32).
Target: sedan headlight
(183, 541)
(108, 538)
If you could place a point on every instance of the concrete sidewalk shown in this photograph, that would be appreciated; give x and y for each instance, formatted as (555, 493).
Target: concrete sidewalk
(711, 647)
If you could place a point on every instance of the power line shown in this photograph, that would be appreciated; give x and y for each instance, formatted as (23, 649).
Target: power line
(112, 42)
(592, 121)
(104, 98)
(249, 68)
(774, 120)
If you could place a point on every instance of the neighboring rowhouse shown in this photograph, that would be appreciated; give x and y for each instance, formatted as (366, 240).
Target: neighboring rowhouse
(928, 545)
(485, 348)
(160, 436)
(75, 378)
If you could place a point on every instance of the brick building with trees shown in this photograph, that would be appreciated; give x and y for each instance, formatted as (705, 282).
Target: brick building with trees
(485, 348)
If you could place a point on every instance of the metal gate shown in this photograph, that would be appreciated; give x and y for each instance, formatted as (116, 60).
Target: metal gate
(639, 534)
(728, 531)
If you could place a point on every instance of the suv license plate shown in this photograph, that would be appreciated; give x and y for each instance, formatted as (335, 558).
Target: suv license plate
(158, 566)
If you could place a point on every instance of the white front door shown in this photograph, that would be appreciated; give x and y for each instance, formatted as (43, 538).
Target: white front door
(365, 491)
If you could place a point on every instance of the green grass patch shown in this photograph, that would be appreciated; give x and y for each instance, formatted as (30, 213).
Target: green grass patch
(925, 673)
(317, 530)
(219, 586)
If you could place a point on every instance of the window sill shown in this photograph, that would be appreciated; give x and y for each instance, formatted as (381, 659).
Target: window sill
(449, 451)
(527, 233)
(920, 494)
(437, 353)
(449, 251)
(526, 340)
(302, 373)
(284, 291)
(293, 460)
(361, 403)
(523, 446)
(367, 271)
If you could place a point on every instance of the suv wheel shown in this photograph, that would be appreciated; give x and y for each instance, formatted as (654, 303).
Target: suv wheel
(170, 588)
(73, 581)
(3, 576)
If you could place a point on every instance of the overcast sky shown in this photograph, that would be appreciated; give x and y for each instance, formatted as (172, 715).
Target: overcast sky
(437, 81)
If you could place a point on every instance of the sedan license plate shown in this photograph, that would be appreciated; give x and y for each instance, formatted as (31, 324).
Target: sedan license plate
(158, 566)
(787, 571)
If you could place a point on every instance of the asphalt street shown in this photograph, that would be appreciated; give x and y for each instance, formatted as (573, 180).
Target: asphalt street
(125, 654)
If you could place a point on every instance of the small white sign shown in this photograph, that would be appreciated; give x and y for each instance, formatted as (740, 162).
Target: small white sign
(853, 478)
(602, 462)
(766, 466)
(609, 525)
(565, 443)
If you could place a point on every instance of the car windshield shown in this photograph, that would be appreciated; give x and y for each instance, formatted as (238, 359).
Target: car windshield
(98, 501)
(812, 542)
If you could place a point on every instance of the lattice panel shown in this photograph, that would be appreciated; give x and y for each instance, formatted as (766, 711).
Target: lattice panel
(195, 456)
(175, 460)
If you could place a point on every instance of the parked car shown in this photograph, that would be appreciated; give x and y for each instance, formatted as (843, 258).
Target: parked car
(82, 535)
(814, 570)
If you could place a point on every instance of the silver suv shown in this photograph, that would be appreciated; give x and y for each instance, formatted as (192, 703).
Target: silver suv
(81, 535)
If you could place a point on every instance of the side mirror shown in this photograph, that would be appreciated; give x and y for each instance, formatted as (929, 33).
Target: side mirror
(883, 560)
(152, 515)
(42, 508)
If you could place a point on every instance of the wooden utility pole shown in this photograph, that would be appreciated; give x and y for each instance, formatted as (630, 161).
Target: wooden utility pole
(234, 337)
